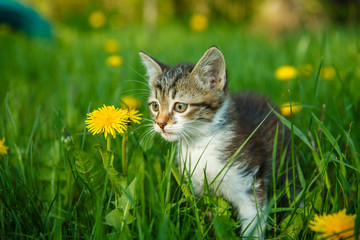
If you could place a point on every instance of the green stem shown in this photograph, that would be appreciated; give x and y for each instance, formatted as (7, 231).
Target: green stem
(123, 153)
(108, 144)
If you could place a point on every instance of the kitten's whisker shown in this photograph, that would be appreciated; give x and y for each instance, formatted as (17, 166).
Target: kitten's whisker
(147, 123)
(145, 126)
(149, 134)
(137, 81)
(142, 76)
(141, 89)
(148, 120)
(192, 132)
(150, 127)
(184, 136)
(135, 92)
(153, 135)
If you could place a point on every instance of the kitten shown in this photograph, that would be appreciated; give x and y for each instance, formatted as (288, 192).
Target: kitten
(191, 104)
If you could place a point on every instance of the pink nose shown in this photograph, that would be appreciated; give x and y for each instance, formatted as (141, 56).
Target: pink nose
(161, 125)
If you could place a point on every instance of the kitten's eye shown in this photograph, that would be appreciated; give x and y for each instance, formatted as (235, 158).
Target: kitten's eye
(180, 107)
(155, 106)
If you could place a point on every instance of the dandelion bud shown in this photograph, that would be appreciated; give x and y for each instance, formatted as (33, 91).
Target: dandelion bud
(66, 138)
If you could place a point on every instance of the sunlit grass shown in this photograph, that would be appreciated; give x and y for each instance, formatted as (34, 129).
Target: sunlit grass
(54, 184)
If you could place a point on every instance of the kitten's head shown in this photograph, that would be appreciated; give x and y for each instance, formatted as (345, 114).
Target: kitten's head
(185, 98)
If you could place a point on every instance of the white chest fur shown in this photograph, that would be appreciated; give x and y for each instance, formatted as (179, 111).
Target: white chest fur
(199, 159)
(205, 160)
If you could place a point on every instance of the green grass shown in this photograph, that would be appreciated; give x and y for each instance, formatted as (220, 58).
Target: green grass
(53, 189)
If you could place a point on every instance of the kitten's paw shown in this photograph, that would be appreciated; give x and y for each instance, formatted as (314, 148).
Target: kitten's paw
(253, 229)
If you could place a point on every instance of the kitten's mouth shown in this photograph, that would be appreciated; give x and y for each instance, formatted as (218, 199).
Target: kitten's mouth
(169, 136)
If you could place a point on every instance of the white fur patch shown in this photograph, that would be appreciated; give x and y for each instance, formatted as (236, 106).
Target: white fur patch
(204, 159)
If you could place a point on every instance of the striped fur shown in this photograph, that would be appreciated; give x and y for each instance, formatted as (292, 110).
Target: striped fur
(212, 128)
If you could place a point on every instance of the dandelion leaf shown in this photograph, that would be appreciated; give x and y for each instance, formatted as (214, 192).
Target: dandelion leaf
(223, 207)
(127, 200)
(118, 180)
(91, 171)
(223, 226)
(292, 224)
(116, 218)
(121, 215)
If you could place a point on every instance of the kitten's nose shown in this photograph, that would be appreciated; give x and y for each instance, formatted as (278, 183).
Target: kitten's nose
(161, 124)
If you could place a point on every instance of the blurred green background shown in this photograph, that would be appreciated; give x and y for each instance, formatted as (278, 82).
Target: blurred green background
(90, 53)
(271, 15)
(65, 58)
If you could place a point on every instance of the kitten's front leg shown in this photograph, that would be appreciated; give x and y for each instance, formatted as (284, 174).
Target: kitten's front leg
(252, 219)
(253, 225)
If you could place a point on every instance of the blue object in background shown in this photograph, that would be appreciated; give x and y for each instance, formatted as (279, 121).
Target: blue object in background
(24, 19)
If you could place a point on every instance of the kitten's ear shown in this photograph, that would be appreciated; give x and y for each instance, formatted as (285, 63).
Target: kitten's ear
(211, 70)
(153, 67)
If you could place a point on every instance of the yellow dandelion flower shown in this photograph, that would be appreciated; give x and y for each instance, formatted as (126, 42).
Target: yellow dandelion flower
(97, 19)
(107, 120)
(334, 226)
(130, 102)
(111, 46)
(286, 72)
(114, 61)
(286, 110)
(199, 22)
(327, 73)
(306, 70)
(134, 115)
(3, 148)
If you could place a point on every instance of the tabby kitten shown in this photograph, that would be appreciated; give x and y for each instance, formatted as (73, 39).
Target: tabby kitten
(191, 104)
